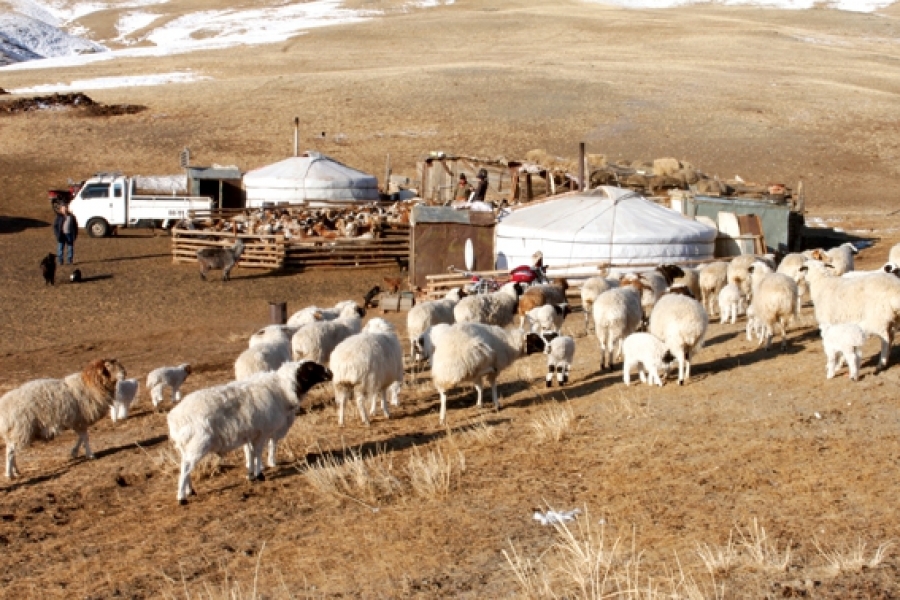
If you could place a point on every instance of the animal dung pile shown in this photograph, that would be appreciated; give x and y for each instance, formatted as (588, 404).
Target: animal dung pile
(73, 101)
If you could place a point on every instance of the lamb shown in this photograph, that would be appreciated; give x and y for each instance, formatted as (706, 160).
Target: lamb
(872, 302)
(539, 295)
(846, 340)
(126, 392)
(648, 353)
(318, 340)
(731, 303)
(428, 341)
(40, 409)
(680, 322)
(713, 277)
(560, 351)
(311, 314)
(592, 288)
(427, 314)
(497, 308)
(468, 352)
(548, 317)
(241, 413)
(220, 258)
(173, 377)
(774, 301)
(842, 258)
(261, 358)
(366, 365)
(617, 313)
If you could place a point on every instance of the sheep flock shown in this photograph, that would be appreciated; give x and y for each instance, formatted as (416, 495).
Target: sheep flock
(655, 320)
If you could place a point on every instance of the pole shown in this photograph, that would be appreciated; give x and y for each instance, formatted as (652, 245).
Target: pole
(387, 175)
(296, 136)
(581, 168)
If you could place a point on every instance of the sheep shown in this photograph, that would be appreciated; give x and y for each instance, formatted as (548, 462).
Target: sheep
(680, 322)
(691, 280)
(548, 317)
(311, 314)
(366, 365)
(894, 254)
(739, 274)
(40, 409)
(656, 282)
(842, 258)
(261, 358)
(846, 340)
(560, 351)
(126, 392)
(889, 267)
(468, 352)
(592, 288)
(731, 302)
(273, 333)
(318, 340)
(159, 379)
(755, 328)
(790, 265)
(427, 314)
(426, 343)
(497, 308)
(241, 413)
(648, 353)
(872, 302)
(774, 301)
(617, 313)
(713, 277)
(539, 295)
(220, 258)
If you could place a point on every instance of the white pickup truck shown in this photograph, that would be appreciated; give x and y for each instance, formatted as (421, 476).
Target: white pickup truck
(107, 200)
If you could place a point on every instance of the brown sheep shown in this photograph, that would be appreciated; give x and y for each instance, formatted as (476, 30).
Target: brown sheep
(539, 295)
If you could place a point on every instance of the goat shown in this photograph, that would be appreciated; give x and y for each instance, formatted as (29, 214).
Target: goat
(219, 258)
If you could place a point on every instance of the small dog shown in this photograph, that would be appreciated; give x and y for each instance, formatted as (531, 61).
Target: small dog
(48, 269)
(75, 277)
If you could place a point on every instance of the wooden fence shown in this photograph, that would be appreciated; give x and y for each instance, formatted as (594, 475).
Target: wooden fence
(275, 252)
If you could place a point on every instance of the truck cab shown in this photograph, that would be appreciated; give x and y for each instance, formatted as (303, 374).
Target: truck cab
(100, 203)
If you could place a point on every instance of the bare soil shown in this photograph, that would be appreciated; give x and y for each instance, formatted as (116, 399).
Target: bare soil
(769, 95)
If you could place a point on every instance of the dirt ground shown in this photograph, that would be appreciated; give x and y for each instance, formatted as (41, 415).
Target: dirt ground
(755, 437)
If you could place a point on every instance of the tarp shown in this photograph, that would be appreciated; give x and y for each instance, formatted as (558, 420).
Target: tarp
(606, 224)
(311, 178)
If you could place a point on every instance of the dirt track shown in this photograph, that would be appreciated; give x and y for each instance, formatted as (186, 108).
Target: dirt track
(754, 435)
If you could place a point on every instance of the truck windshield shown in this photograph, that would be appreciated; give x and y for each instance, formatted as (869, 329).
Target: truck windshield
(96, 190)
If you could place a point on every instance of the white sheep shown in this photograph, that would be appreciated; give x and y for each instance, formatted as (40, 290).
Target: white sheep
(241, 413)
(844, 340)
(426, 343)
(648, 354)
(548, 317)
(427, 314)
(468, 352)
(889, 267)
(367, 365)
(126, 392)
(316, 341)
(560, 351)
(617, 313)
(691, 280)
(40, 409)
(590, 289)
(261, 358)
(172, 377)
(842, 258)
(755, 329)
(790, 265)
(731, 303)
(739, 274)
(774, 301)
(273, 333)
(872, 302)
(497, 308)
(680, 322)
(654, 284)
(713, 277)
(894, 254)
(311, 314)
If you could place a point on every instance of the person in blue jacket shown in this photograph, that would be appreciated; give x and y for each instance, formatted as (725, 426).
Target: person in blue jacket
(65, 228)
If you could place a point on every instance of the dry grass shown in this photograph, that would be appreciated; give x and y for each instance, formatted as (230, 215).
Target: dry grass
(553, 423)
(354, 475)
(168, 462)
(760, 552)
(479, 433)
(431, 475)
(852, 559)
(719, 560)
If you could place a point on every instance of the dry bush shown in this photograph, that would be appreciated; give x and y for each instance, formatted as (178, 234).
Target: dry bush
(431, 475)
(354, 475)
(760, 552)
(852, 559)
(553, 422)
(719, 560)
(479, 433)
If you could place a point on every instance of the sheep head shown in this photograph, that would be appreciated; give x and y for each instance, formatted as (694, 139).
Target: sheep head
(670, 272)
(187, 368)
(102, 375)
(308, 374)
(534, 343)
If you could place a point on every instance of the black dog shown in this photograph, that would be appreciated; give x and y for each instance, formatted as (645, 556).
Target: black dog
(370, 295)
(48, 269)
(75, 277)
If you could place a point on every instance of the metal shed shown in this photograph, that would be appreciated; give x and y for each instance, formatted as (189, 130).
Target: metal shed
(222, 184)
(775, 218)
(438, 239)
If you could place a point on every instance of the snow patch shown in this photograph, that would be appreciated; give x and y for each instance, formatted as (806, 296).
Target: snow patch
(106, 83)
(847, 5)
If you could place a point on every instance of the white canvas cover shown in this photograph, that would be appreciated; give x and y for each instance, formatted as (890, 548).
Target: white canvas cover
(311, 178)
(606, 224)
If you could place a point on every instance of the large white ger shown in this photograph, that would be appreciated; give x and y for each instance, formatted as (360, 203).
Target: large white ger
(606, 224)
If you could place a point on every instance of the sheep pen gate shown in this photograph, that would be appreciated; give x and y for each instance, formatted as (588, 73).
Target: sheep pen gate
(260, 251)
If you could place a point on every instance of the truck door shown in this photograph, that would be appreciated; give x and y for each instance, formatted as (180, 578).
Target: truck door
(98, 202)
(118, 202)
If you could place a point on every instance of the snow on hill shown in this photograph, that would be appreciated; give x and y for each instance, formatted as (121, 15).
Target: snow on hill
(24, 38)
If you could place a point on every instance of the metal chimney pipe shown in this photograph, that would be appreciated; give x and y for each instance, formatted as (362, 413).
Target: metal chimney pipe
(296, 136)
(581, 167)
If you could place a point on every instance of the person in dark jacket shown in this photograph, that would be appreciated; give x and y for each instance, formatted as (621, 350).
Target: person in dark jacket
(481, 186)
(65, 228)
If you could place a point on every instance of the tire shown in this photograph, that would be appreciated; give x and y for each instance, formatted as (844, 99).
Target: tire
(97, 228)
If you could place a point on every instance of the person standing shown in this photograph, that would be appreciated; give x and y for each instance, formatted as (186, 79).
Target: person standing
(65, 228)
(463, 190)
(481, 186)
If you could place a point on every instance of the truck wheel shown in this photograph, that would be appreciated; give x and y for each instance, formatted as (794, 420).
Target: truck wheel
(97, 228)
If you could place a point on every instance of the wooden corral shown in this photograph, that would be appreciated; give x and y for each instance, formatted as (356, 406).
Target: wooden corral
(438, 240)
(260, 251)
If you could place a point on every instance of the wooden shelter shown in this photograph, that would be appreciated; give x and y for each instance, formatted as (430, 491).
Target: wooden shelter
(438, 240)
(439, 173)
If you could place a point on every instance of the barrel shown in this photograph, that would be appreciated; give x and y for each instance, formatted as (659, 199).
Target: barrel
(278, 313)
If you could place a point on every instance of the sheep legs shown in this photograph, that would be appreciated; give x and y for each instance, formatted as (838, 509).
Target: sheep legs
(11, 469)
(82, 440)
(184, 479)
(384, 407)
